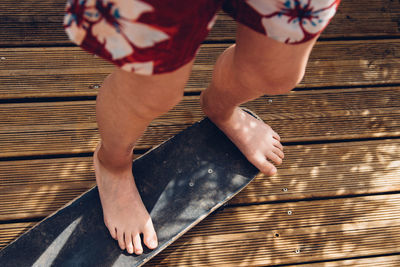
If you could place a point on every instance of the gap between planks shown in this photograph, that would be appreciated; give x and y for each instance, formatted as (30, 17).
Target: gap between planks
(40, 22)
(267, 234)
(71, 72)
(70, 127)
(385, 260)
(318, 230)
(35, 188)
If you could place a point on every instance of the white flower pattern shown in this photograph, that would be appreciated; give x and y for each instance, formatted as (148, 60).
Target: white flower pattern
(149, 37)
(125, 28)
(114, 24)
(294, 21)
(145, 68)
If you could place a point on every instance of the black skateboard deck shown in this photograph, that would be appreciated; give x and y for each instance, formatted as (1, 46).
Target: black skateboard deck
(181, 182)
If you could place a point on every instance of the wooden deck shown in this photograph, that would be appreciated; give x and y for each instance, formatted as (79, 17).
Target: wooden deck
(336, 199)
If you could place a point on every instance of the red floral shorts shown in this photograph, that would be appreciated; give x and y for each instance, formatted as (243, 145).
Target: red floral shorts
(157, 36)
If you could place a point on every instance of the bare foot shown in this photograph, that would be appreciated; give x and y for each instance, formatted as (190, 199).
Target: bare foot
(124, 212)
(255, 139)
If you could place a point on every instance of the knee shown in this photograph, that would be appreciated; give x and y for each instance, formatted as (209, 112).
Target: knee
(146, 96)
(163, 102)
(160, 99)
(269, 80)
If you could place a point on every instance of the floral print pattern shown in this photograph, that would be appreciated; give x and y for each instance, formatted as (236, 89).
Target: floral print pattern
(294, 21)
(113, 23)
(157, 36)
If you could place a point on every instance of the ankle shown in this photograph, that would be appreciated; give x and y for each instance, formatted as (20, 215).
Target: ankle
(214, 109)
(114, 161)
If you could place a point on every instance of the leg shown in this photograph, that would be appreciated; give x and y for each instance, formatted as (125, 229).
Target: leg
(255, 66)
(126, 104)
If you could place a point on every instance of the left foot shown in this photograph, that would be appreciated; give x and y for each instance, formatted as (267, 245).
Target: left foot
(124, 212)
(255, 139)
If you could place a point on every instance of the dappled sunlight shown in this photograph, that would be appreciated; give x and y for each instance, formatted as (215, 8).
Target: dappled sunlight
(334, 202)
(306, 230)
(329, 170)
(377, 69)
(288, 233)
(47, 186)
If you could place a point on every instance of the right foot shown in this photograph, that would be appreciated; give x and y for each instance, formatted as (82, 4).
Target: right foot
(124, 212)
(254, 138)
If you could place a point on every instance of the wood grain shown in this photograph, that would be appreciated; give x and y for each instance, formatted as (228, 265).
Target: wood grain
(266, 234)
(10, 231)
(47, 128)
(35, 188)
(40, 22)
(68, 71)
(260, 235)
(363, 262)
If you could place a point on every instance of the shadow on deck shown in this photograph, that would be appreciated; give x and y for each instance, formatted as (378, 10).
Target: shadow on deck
(336, 198)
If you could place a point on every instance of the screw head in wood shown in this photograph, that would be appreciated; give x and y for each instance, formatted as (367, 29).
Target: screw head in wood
(94, 86)
(289, 212)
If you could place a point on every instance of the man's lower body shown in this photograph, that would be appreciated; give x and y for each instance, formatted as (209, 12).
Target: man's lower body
(154, 43)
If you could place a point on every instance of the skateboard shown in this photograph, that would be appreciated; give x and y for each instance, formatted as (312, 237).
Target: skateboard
(181, 182)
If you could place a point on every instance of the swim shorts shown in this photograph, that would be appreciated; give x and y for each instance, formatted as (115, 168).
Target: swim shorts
(158, 36)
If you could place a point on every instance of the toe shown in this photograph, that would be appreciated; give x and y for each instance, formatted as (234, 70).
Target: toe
(265, 167)
(276, 135)
(128, 243)
(150, 236)
(120, 236)
(279, 153)
(274, 158)
(113, 231)
(137, 243)
(277, 144)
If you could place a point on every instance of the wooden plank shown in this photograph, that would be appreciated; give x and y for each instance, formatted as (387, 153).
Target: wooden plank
(35, 188)
(10, 231)
(266, 234)
(40, 22)
(393, 260)
(69, 71)
(70, 127)
(329, 170)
